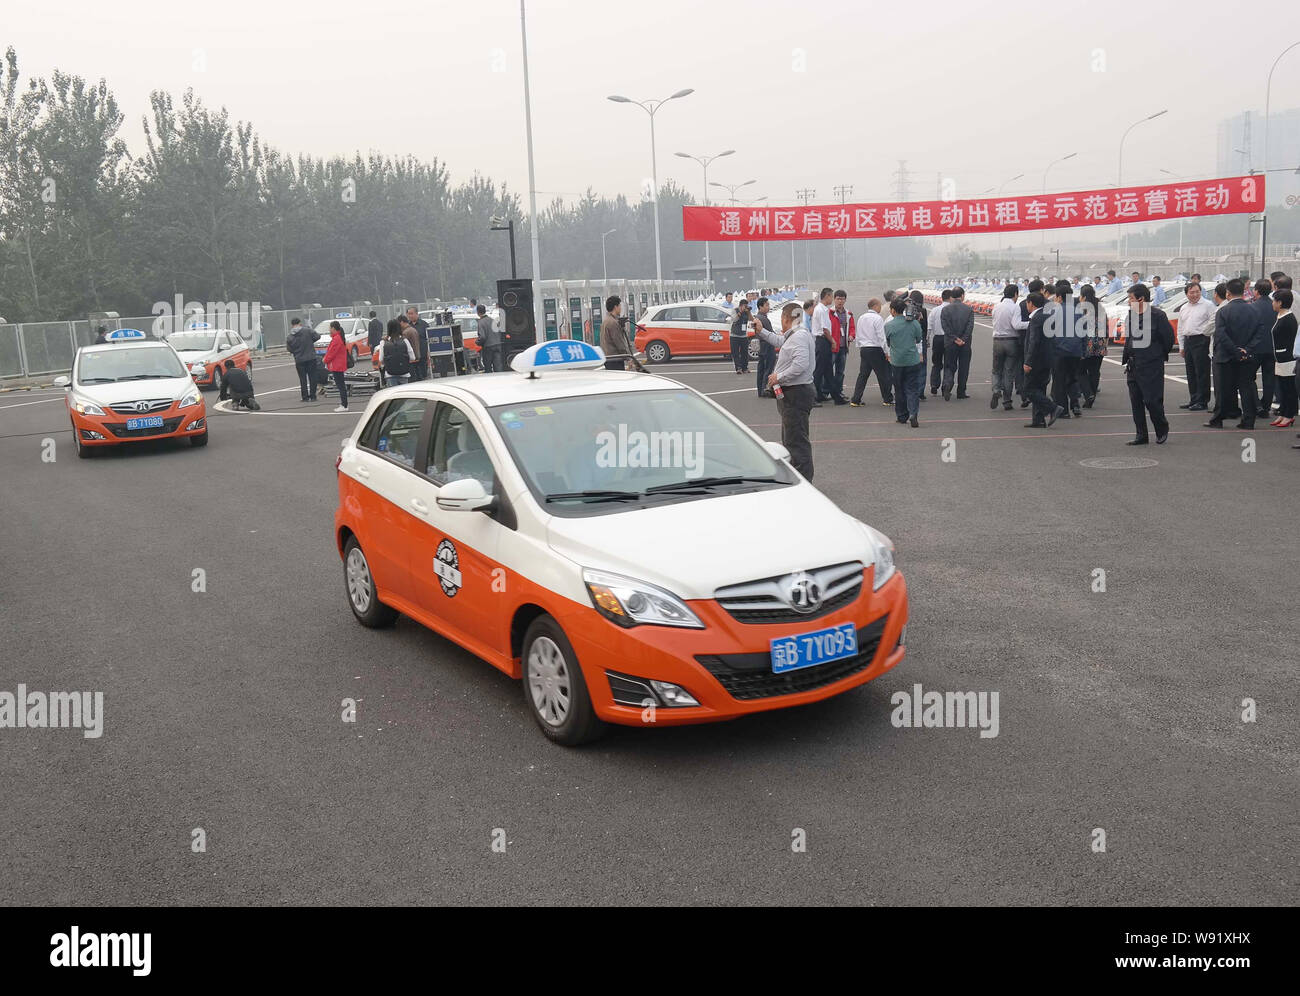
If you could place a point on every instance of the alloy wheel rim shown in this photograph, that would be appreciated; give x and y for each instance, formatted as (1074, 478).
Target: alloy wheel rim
(358, 580)
(548, 681)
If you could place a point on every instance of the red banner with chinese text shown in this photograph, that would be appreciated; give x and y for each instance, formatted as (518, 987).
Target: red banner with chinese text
(1129, 205)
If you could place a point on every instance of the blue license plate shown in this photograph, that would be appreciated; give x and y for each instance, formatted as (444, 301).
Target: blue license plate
(152, 422)
(789, 653)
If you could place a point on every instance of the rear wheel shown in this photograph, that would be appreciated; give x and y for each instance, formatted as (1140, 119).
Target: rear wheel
(217, 379)
(658, 352)
(354, 355)
(360, 587)
(753, 348)
(554, 687)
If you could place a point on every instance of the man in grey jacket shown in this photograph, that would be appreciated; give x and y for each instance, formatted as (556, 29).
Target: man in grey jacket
(301, 344)
(958, 321)
(792, 380)
(489, 340)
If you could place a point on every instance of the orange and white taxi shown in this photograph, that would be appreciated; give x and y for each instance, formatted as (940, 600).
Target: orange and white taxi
(205, 351)
(132, 388)
(610, 538)
(698, 329)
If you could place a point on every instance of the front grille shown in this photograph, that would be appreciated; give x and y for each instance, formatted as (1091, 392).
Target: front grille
(766, 600)
(120, 430)
(129, 407)
(749, 676)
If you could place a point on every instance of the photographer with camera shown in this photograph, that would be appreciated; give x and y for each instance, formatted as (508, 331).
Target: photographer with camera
(760, 323)
(740, 328)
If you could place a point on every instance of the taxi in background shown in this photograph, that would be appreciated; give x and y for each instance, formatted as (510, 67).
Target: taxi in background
(205, 350)
(694, 329)
(591, 532)
(356, 335)
(132, 388)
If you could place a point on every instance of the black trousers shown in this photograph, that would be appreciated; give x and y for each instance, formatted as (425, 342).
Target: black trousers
(1266, 363)
(1146, 395)
(740, 354)
(956, 366)
(1196, 363)
(1225, 390)
(1243, 376)
(1090, 375)
(304, 368)
(936, 355)
(1036, 391)
(838, 362)
(1065, 381)
(873, 359)
(341, 385)
(795, 408)
(245, 401)
(766, 364)
(1286, 396)
(822, 372)
(494, 358)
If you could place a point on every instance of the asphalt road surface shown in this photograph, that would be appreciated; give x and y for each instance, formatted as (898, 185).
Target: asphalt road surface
(1119, 711)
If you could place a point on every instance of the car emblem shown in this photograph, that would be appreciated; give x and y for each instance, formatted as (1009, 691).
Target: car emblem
(804, 593)
(142, 406)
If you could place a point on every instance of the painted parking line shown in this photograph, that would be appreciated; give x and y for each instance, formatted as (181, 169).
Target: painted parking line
(25, 404)
(1034, 434)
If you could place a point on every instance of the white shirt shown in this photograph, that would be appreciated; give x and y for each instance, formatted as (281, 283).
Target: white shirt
(870, 329)
(821, 320)
(935, 329)
(1196, 319)
(1006, 320)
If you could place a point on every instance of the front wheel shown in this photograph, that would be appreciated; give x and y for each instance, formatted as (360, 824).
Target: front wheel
(753, 349)
(360, 587)
(554, 687)
(217, 380)
(201, 440)
(83, 451)
(658, 352)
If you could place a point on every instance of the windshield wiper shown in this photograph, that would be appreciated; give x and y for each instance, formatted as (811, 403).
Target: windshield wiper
(98, 380)
(593, 496)
(149, 377)
(709, 482)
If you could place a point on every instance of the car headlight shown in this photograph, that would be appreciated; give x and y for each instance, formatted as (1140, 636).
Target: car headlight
(84, 406)
(883, 547)
(629, 602)
(198, 369)
(189, 400)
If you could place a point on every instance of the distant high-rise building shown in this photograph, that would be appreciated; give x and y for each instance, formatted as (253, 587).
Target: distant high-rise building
(1240, 149)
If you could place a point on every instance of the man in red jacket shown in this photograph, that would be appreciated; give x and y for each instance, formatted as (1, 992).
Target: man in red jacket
(843, 328)
(336, 362)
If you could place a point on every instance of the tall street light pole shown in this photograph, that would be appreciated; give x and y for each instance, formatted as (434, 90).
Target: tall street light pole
(750, 259)
(651, 107)
(1176, 176)
(805, 197)
(704, 162)
(1263, 215)
(1119, 228)
(603, 264)
(1049, 166)
(731, 189)
(999, 188)
(532, 180)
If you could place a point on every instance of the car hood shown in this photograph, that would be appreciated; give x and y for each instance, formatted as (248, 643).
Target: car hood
(189, 356)
(694, 547)
(136, 390)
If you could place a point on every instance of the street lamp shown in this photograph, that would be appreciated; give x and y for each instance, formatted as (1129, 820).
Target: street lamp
(1119, 229)
(502, 225)
(651, 107)
(704, 161)
(1263, 215)
(1049, 166)
(1176, 176)
(731, 188)
(603, 264)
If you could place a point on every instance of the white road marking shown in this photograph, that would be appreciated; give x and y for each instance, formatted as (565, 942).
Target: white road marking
(1168, 376)
(43, 401)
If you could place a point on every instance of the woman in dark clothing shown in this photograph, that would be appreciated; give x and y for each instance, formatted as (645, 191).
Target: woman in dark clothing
(1094, 347)
(1284, 333)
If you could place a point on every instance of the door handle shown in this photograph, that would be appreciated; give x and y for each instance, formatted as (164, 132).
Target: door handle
(363, 473)
(419, 506)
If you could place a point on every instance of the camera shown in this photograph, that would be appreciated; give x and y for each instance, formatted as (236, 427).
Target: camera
(911, 310)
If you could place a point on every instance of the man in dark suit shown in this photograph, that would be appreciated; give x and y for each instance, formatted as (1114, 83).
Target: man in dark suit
(1039, 357)
(1035, 287)
(1236, 326)
(374, 331)
(1148, 339)
(958, 321)
(1261, 347)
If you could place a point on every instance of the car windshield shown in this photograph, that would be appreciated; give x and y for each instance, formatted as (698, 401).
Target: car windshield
(199, 341)
(604, 452)
(107, 366)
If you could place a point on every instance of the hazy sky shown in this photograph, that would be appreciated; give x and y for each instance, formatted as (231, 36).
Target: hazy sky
(976, 92)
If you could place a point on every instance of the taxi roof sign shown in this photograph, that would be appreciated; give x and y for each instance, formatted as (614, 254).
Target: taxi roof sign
(558, 354)
(119, 335)
(342, 314)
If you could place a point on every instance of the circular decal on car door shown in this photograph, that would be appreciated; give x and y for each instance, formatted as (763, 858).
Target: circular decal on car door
(715, 337)
(447, 566)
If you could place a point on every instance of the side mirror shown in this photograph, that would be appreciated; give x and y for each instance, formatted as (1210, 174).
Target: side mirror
(465, 495)
(63, 382)
(776, 451)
